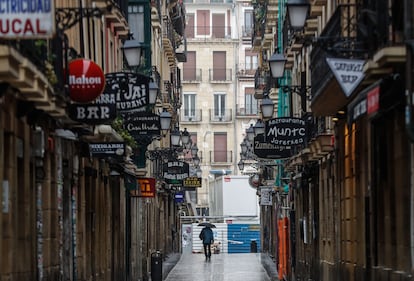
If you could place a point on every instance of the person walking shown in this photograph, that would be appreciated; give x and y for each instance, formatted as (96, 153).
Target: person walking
(207, 236)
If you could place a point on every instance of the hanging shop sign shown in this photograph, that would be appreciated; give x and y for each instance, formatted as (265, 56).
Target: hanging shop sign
(174, 172)
(107, 149)
(23, 19)
(366, 103)
(146, 188)
(129, 91)
(86, 80)
(179, 197)
(281, 135)
(266, 193)
(192, 182)
(92, 114)
(142, 124)
(348, 72)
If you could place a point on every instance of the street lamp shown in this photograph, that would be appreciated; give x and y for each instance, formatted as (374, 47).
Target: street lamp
(132, 51)
(240, 165)
(250, 133)
(175, 137)
(267, 107)
(185, 137)
(165, 120)
(259, 128)
(153, 92)
(297, 12)
(277, 65)
(194, 150)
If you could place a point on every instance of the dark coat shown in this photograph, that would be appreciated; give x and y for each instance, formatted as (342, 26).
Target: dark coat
(207, 235)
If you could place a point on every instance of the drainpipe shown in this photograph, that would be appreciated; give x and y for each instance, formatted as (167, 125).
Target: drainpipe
(409, 36)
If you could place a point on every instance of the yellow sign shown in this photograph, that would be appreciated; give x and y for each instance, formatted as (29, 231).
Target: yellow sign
(192, 182)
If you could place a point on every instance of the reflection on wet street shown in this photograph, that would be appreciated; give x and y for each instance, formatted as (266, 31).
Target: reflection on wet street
(221, 267)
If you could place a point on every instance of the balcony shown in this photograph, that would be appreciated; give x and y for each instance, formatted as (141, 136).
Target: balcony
(168, 40)
(218, 157)
(220, 75)
(220, 115)
(27, 65)
(247, 111)
(246, 70)
(192, 75)
(191, 116)
(338, 39)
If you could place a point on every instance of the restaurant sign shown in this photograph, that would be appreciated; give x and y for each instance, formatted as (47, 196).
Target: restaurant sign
(23, 19)
(92, 114)
(142, 123)
(192, 182)
(174, 172)
(129, 91)
(107, 149)
(146, 188)
(281, 135)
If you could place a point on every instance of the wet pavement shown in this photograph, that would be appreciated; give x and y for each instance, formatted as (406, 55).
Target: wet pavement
(221, 267)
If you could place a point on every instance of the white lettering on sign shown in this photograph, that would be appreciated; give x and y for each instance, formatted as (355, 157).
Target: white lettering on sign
(26, 19)
(93, 112)
(83, 80)
(348, 73)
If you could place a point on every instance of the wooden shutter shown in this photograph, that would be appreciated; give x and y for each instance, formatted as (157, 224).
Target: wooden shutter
(220, 147)
(189, 67)
(203, 22)
(219, 66)
(218, 25)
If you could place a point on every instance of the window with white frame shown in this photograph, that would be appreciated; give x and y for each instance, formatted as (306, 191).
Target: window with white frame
(219, 105)
(189, 105)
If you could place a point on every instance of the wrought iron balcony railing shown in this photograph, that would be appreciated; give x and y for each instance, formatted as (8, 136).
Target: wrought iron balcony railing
(220, 75)
(188, 115)
(192, 75)
(220, 115)
(221, 157)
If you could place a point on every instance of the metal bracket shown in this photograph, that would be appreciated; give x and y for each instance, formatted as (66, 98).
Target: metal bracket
(67, 17)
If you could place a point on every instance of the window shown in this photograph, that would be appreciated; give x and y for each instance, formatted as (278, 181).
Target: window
(136, 21)
(250, 60)
(220, 147)
(203, 22)
(189, 106)
(219, 66)
(189, 67)
(248, 23)
(218, 25)
(250, 101)
(219, 105)
(189, 29)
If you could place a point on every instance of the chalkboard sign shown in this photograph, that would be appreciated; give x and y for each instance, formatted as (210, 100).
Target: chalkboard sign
(281, 135)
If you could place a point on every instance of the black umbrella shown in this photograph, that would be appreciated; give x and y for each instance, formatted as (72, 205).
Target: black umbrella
(207, 224)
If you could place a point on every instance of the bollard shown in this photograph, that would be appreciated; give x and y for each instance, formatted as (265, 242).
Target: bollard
(156, 266)
(253, 246)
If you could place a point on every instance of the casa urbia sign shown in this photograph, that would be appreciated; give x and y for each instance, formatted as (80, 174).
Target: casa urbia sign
(281, 136)
(142, 123)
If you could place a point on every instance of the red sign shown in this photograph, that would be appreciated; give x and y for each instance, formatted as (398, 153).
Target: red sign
(146, 188)
(373, 100)
(86, 80)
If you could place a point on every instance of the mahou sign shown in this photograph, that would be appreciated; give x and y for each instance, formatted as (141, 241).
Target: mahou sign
(86, 80)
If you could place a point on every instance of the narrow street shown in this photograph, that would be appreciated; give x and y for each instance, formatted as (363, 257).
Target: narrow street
(221, 267)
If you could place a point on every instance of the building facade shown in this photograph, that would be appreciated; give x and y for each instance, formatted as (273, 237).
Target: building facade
(218, 102)
(68, 212)
(348, 209)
